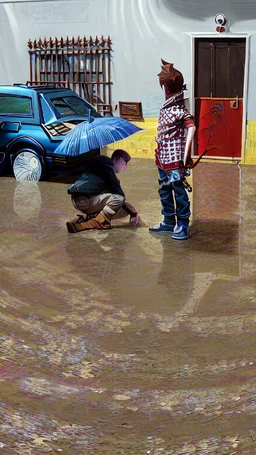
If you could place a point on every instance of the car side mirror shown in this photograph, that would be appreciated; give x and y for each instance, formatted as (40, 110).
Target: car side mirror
(11, 127)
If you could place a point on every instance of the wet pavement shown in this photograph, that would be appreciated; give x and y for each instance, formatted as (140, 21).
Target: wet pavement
(122, 342)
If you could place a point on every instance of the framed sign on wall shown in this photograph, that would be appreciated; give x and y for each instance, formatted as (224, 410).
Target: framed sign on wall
(130, 110)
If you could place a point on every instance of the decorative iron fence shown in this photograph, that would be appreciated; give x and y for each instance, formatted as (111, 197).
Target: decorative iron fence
(80, 64)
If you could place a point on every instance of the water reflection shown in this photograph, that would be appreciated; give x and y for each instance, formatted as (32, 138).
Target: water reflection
(27, 200)
(122, 332)
(98, 254)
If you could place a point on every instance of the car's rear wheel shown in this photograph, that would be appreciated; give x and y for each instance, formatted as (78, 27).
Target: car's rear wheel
(27, 166)
(2, 162)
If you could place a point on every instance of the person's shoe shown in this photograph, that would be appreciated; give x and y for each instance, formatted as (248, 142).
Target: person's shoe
(162, 227)
(74, 225)
(181, 233)
(97, 222)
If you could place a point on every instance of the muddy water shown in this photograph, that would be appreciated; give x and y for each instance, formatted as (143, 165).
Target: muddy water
(122, 342)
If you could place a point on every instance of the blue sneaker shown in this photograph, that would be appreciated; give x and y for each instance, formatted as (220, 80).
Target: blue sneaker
(162, 227)
(181, 233)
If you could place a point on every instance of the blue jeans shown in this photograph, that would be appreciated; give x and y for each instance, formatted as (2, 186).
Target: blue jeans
(174, 200)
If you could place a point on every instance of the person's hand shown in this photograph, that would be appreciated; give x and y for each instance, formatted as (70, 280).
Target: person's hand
(136, 220)
(189, 163)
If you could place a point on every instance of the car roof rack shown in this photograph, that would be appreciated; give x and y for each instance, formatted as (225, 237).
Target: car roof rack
(40, 87)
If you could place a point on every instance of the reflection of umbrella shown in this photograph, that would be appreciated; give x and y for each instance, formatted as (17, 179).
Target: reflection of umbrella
(90, 136)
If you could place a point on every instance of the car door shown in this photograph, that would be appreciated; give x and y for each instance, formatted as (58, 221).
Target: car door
(14, 110)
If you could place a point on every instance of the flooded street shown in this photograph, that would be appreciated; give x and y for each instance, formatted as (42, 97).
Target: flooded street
(123, 342)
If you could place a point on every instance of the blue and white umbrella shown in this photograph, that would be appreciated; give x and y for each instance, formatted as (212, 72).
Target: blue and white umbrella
(90, 136)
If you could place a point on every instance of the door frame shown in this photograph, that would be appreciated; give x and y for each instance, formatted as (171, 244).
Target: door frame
(247, 36)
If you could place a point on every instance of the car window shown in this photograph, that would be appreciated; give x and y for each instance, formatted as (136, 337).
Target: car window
(72, 105)
(14, 105)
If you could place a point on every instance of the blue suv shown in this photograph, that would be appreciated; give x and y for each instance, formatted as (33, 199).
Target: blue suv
(33, 122)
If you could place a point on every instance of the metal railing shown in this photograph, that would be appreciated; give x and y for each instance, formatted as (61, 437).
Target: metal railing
(77, 63)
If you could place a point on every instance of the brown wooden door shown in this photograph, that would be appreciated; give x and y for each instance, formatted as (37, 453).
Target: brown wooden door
(219, 86)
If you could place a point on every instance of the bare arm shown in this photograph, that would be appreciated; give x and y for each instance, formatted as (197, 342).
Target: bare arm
(189, 140)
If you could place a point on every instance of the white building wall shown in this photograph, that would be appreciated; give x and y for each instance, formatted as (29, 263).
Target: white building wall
(142, 32)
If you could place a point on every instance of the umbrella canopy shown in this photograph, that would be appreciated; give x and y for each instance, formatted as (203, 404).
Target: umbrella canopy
(90, 136)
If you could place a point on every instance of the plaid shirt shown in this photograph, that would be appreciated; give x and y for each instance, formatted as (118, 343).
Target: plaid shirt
(174, 119)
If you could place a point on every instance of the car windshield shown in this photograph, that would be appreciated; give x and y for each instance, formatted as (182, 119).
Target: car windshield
(72, 105)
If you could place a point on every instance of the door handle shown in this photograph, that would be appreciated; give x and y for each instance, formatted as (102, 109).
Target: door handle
(234, 104)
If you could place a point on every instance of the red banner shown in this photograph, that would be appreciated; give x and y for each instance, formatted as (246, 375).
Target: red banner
(219, 126)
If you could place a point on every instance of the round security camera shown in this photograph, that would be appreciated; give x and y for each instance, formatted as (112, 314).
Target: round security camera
(220, 19)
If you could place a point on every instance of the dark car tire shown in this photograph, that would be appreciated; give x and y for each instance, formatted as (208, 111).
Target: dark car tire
(27, 166)
(2, 163)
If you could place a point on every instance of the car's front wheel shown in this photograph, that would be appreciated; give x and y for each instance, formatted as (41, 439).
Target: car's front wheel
(27, 166)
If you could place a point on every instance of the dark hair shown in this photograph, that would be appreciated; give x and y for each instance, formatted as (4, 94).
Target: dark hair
(119, 153)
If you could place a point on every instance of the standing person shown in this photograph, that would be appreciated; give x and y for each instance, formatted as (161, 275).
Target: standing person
(99, 195)
(175, 132)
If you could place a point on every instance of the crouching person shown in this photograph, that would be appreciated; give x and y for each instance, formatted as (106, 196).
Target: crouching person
(98, 194)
